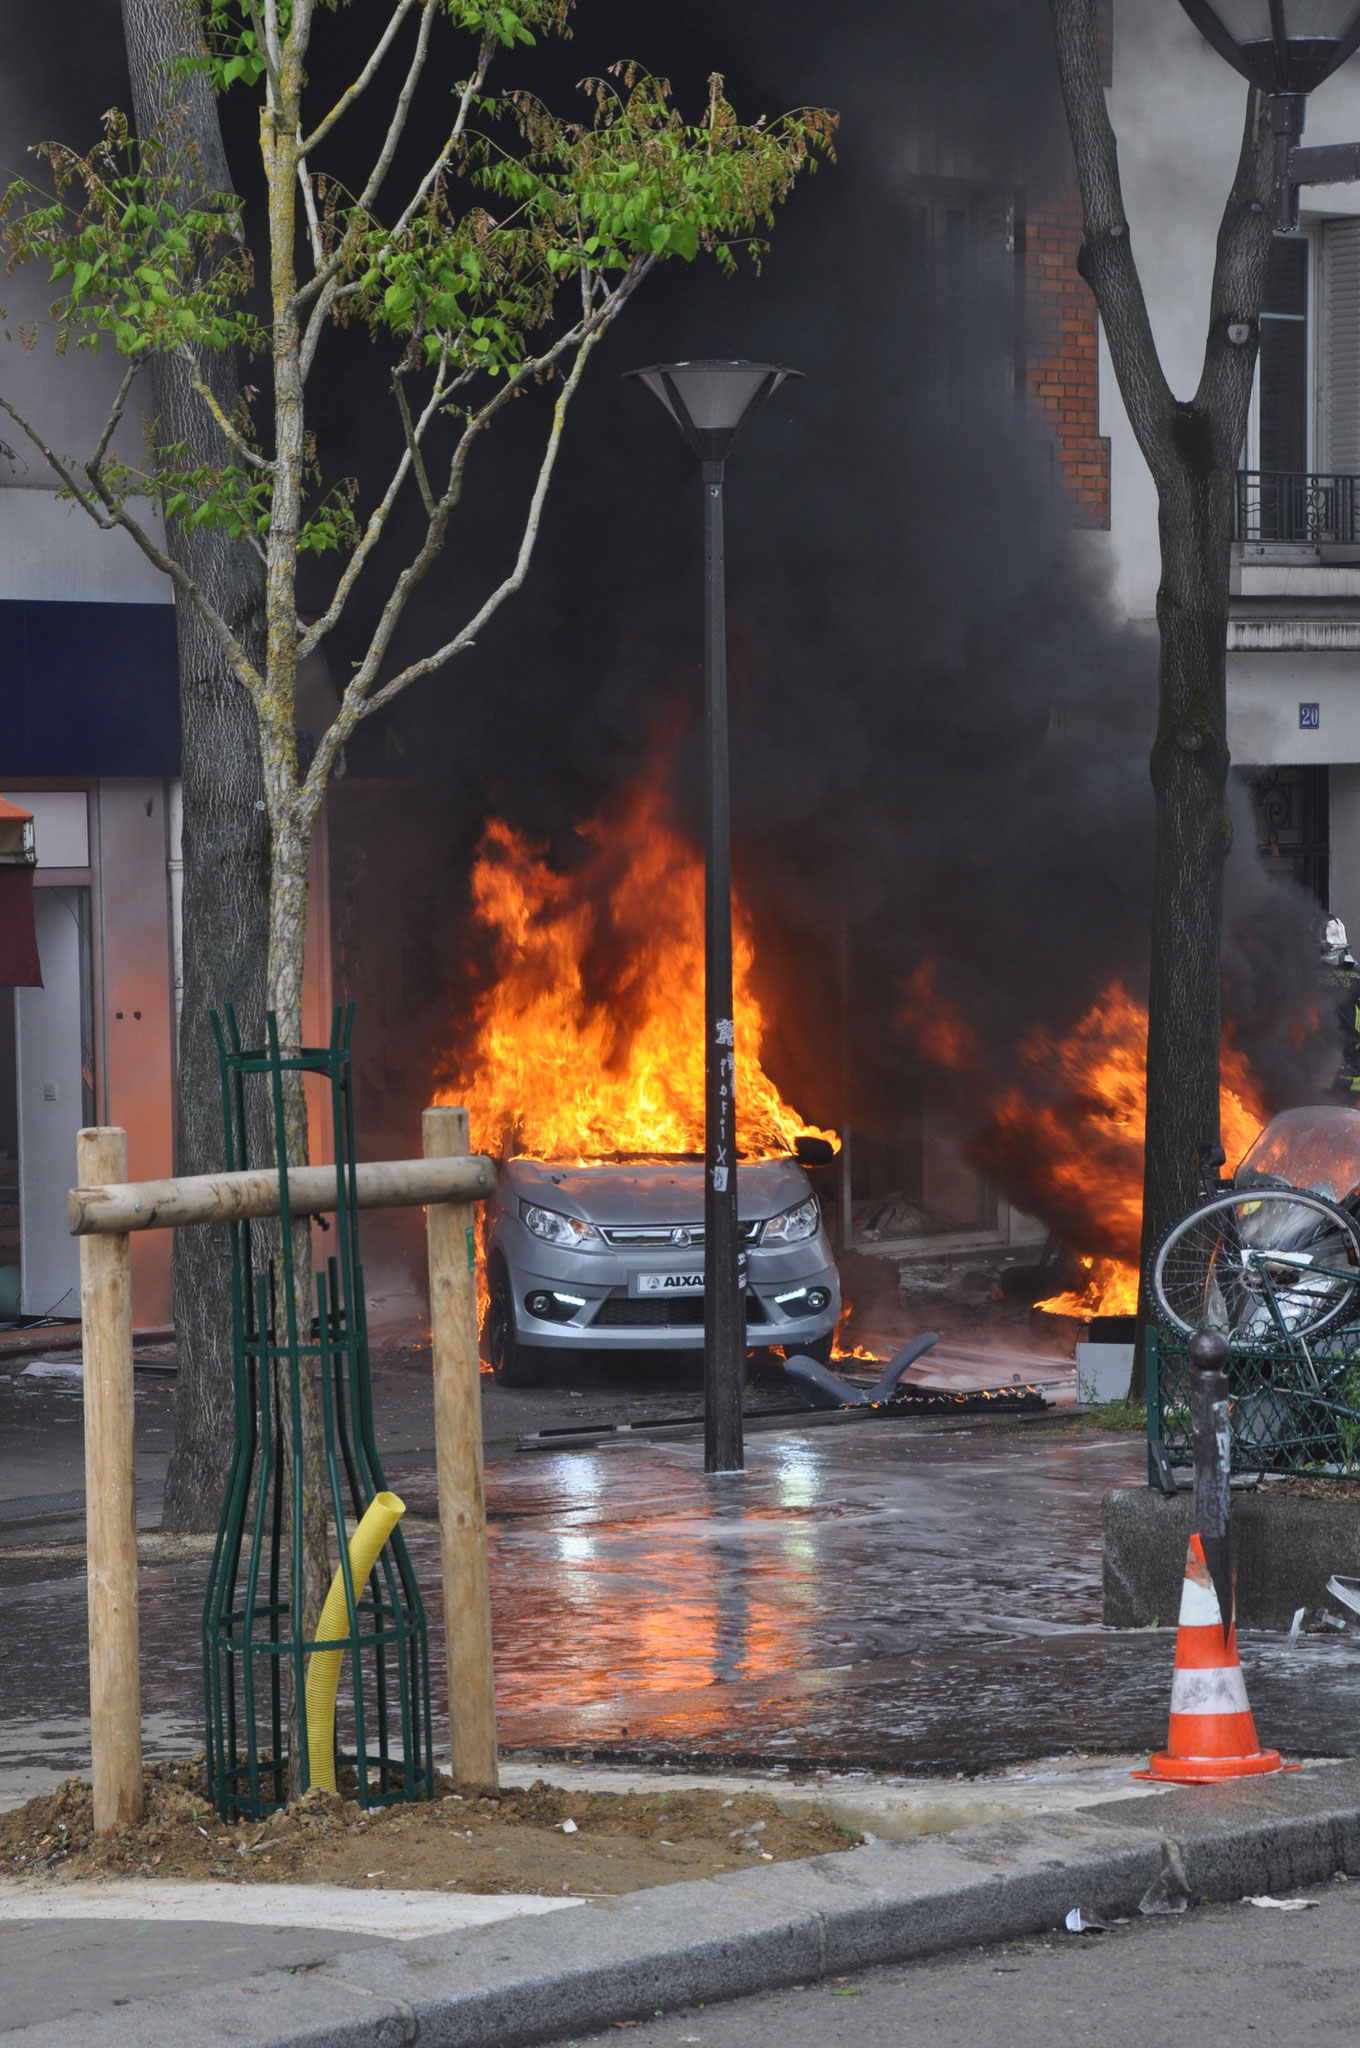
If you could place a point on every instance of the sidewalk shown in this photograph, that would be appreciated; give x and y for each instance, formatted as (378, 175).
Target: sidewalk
(521, 1980)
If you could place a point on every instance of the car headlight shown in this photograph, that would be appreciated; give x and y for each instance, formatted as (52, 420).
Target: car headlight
(794, 1225)
(569, 1232)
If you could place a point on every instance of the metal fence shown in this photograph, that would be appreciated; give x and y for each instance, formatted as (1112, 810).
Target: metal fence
(1296, 506)
(1293, 1409)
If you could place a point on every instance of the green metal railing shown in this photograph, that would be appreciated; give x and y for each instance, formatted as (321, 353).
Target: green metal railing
(1294, 1407)
(255, 1648)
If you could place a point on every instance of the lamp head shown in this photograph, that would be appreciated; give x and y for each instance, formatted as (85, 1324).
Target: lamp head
(711, 402)
(1282, 46)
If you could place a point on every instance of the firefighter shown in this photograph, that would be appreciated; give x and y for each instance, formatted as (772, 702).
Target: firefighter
(1341, 974)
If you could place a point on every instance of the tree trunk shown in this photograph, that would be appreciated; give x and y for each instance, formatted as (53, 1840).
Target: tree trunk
(226, 841)
(1192, 449)
(1189, 778)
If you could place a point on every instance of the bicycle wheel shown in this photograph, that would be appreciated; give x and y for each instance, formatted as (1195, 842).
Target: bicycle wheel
(1257, 1263)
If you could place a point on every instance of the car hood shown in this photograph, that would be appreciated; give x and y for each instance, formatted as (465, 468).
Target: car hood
(669, 1193)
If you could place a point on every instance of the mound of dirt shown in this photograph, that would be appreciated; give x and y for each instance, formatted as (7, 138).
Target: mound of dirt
(538, 1839)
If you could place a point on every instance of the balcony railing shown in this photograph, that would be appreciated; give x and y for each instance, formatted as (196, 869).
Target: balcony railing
(1277, 505)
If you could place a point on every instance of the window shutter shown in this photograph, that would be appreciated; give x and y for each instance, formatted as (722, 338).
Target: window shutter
(1341, 345)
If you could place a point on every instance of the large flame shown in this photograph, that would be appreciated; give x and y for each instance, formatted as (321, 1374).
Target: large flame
(589, 1040)
(1067, 1139)
(1088, 1144)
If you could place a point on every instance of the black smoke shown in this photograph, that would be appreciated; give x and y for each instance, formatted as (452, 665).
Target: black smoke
(940, 725)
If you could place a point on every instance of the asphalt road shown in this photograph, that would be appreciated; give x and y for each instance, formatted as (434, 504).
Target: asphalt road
(1202, 1980)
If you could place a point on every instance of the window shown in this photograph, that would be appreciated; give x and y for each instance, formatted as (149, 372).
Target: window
(1339, 367)
(1283, 380)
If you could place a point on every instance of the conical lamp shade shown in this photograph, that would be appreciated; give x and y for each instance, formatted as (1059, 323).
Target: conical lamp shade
(711, 402)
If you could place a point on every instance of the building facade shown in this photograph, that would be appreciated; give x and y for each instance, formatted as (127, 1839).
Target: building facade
(1294, 629)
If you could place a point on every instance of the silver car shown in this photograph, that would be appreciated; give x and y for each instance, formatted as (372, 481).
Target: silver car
(594, 1259)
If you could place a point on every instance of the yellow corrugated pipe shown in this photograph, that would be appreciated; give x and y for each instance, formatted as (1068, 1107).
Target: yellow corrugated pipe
(380, 1518)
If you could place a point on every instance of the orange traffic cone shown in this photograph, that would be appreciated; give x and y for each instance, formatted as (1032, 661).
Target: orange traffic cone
(1212, 1733)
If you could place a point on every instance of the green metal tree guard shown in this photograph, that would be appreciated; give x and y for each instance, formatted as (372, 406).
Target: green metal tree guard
(255, 1652)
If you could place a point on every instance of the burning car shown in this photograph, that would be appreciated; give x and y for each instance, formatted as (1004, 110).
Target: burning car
(609, 1257)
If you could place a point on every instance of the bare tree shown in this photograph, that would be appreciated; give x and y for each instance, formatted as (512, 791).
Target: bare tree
(225, 920)
(1192, 446)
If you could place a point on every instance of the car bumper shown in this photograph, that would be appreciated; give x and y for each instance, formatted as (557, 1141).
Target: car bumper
(612, 1316)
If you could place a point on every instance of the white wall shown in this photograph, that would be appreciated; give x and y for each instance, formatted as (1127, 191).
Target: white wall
(50, 549)
(1264, 694)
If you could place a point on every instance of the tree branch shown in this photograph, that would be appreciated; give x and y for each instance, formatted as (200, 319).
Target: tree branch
(267, 47)
(309, 208)
(1106, 259)
(323, 286)
(441, 163)
(228, 431)
(373, 531)
(362, 82)
(113, 516)
(356, 703)
(397, 125)
(115, 415)
(413, 447)
(1244, 241)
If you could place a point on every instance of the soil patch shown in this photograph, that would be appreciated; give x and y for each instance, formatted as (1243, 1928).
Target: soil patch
(1319, 1486)
(534, 1839)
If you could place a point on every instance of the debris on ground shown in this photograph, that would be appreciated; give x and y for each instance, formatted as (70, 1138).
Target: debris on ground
(524, 1839)
(1169, 1892)
(1081, 1920)
(1280, 1905)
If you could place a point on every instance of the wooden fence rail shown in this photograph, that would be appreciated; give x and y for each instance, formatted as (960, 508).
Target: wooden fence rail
(231, 1197)
(103, 1210)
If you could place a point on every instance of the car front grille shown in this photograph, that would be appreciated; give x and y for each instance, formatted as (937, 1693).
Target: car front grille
(682, 1311)
(645, 1236)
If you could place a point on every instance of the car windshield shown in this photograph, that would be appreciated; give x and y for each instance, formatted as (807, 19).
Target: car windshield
(1316, 1148)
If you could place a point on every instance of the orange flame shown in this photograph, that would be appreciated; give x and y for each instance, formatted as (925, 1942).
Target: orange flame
(1088, 1145)
(590, 1040)
(1069, 1140)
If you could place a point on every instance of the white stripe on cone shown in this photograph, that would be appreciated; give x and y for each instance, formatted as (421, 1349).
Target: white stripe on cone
(1216, 1691)
(1199, 1604)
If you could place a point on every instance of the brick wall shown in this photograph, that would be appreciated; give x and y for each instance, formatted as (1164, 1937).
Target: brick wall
(1059, 372)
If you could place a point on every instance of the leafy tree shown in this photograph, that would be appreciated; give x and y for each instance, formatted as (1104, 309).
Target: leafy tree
(493, 267)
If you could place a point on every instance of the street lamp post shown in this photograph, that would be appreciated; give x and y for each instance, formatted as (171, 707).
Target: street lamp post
(1286, 48)
(710, 403)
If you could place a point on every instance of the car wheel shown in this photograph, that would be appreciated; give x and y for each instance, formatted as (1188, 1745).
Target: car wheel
(508, 1360)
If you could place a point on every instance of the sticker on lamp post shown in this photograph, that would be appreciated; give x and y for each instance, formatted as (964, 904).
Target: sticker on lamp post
(1310, 718)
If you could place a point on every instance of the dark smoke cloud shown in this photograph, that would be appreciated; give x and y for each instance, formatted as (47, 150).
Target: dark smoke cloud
(940, 727)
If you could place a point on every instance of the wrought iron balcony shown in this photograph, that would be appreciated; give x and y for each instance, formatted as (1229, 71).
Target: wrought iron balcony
(1312, 509)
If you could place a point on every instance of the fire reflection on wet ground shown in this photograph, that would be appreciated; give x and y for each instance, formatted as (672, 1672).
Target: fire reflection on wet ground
(877, 1595)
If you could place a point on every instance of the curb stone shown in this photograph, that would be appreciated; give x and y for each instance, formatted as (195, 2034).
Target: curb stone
(518, 1982)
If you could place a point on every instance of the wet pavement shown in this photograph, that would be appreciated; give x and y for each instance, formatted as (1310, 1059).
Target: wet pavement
(896, 1595)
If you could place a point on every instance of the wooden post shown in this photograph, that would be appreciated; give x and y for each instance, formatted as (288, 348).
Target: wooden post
(458, 1454)
(110, 1500)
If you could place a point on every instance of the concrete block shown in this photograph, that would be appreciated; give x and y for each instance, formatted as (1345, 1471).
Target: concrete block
(1284, 1551)
(1103, 1372)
